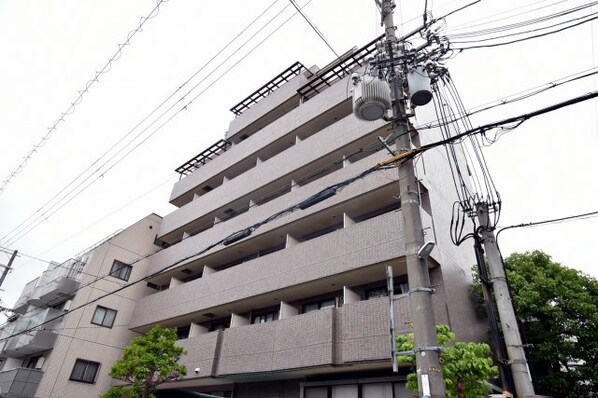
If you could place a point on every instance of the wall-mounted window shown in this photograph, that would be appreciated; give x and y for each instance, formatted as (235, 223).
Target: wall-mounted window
(120, 270)
(318, 305)
(32, 362)
(103, 316)
(85, 371)
(382, 291)
(182, 332)
(264, 317)
(219, 325)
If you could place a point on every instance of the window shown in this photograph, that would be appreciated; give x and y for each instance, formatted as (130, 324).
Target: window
(182, 332)
(84, 371)
(382, 291)
(220, 325)
(318, 305)
(394, 389)
(104, 316)
(120, 270)
(264, 317)
(31, 363)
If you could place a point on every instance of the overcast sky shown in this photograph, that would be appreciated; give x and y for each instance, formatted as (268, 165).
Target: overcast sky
(51, 49)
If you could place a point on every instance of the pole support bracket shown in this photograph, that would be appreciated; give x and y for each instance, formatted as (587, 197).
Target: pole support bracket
(419, 349)
(422, 289)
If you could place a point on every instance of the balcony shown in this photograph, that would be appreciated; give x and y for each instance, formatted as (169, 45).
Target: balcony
(268, 103)
(353, 334)
(57, 283)
(23, 301)
(369, 242)
(304, 120)
(190, 245)
(343, 133)
(34, 341)
(19, 382)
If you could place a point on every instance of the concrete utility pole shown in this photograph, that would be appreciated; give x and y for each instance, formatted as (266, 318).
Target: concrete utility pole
(515, 352)
(427, 352)
(7, 267)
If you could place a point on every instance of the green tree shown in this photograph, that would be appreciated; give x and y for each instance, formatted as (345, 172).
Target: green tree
(465, 366)
(147, 362)
(558, 311)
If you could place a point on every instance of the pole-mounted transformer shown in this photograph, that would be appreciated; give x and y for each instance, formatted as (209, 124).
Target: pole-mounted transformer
(371, 97)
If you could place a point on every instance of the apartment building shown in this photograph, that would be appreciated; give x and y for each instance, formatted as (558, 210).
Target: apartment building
(295, 304)
(71, 354)
(267, 302)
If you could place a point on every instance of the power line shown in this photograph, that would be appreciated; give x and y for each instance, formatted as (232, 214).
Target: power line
(528, 37)
(135, 128)
(521, 24)
(71, 108)
(26, 255)
(518, 120)
(584, 17)
(300, 11)
(20, 231)
(485, 20)
(550, 221)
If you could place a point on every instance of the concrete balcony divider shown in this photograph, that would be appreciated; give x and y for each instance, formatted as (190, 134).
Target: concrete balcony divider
(201, 353)
(369, 242)
(299, 116)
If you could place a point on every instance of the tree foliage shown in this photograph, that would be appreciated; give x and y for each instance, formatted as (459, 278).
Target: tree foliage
(558, 311)
(465, 366)
(147, 361)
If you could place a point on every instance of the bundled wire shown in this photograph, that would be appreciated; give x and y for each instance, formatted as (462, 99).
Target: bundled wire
(464, 207)
(539, 27)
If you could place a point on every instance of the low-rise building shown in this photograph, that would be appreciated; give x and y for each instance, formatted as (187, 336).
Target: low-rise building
(58, 349)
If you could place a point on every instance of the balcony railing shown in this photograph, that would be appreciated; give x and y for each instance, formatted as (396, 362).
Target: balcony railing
(57, 283)
(23, 301)
(20, 382)
(26, 341)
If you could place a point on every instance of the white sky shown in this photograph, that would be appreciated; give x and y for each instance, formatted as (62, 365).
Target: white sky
(50, 49)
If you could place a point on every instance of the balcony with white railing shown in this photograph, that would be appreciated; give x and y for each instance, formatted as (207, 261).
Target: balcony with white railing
(57, 283)
(32, 333)
(23, 301)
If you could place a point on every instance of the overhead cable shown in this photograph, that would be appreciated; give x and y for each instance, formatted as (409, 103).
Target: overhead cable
(36, 219)
(550, 221)
(527, 37)
(320, 34)
(71, 108)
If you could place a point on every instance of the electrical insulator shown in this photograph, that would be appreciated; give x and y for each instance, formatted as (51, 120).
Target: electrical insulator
(371, 97)
(419, 86)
